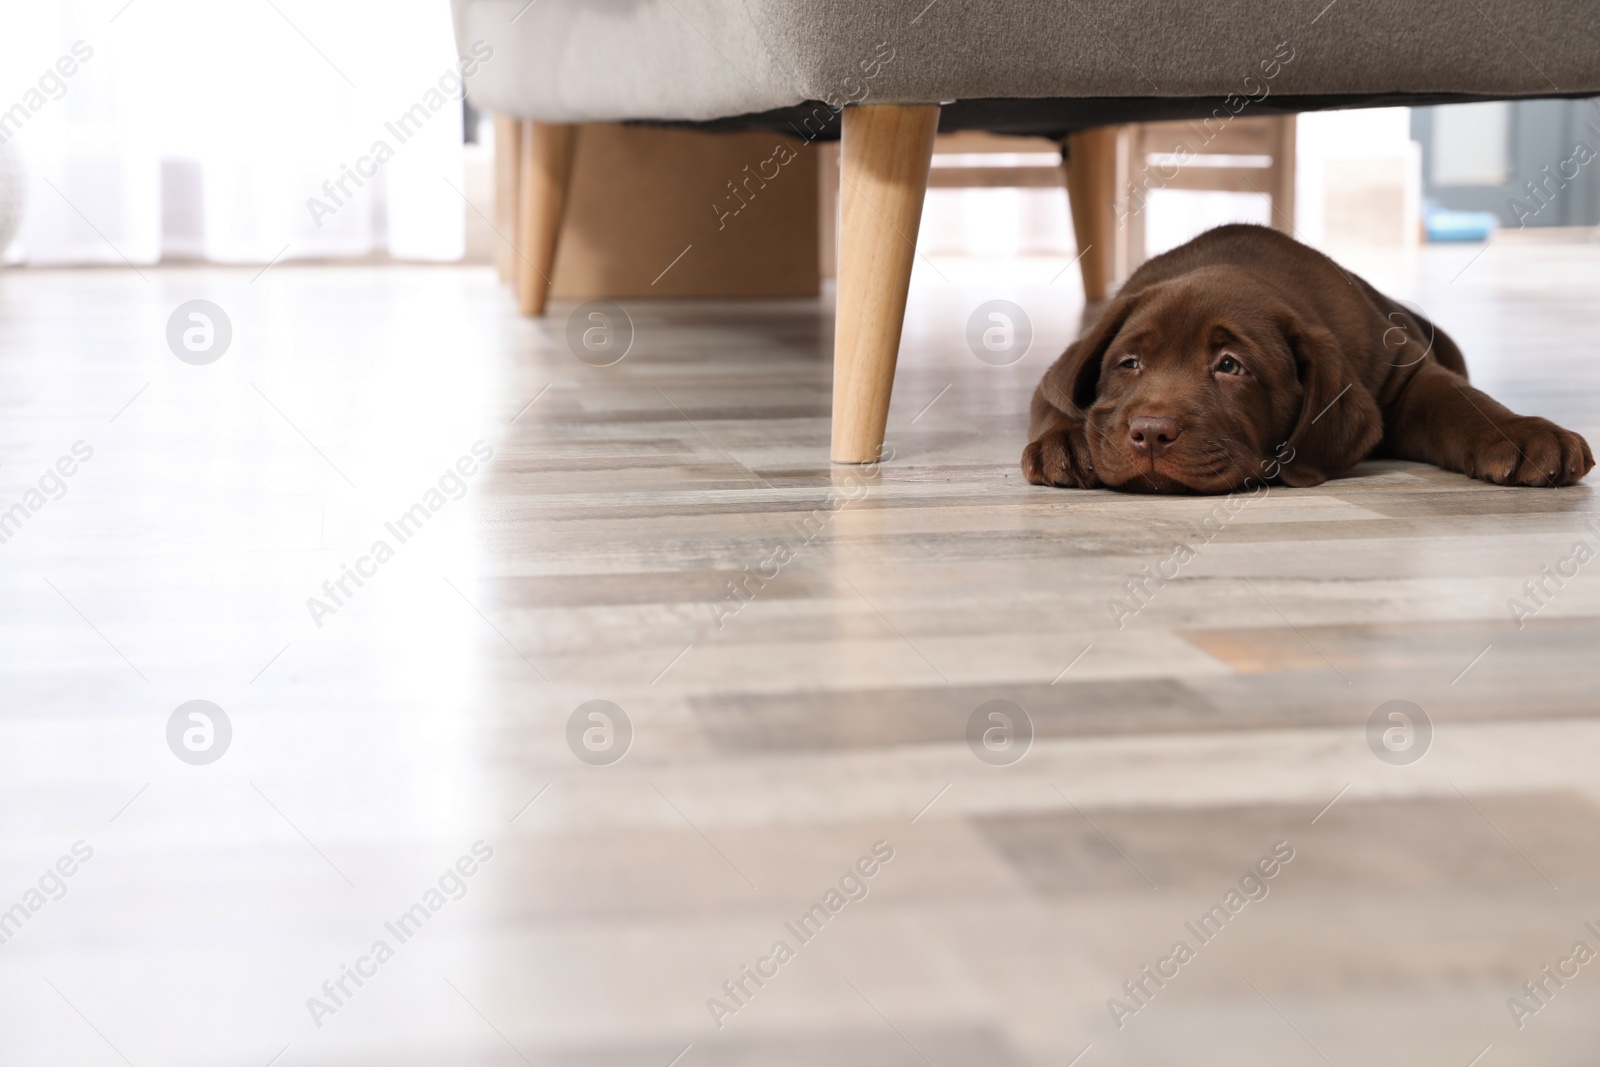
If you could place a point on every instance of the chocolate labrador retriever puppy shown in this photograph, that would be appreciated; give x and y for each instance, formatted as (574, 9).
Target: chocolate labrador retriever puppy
(1244, 357)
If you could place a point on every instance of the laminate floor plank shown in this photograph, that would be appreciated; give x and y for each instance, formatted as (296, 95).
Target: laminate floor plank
(911, 721)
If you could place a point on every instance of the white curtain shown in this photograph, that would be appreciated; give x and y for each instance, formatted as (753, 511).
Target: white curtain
(237, 131)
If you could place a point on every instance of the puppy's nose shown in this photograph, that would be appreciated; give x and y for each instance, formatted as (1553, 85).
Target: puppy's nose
(1152, 435)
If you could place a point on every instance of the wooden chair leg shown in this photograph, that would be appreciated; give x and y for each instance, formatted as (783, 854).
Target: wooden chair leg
(1091, 174)
(1283, 172)
(886, 150)
(1132, 201)
(544, 174)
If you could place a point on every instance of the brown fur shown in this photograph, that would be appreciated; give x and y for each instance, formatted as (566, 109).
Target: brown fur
(1330, 372)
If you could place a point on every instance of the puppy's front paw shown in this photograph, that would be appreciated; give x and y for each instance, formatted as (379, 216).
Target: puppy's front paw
(1527, 450)
(1060, 457)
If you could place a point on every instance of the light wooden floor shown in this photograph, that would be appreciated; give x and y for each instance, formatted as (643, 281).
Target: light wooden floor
(586, 562)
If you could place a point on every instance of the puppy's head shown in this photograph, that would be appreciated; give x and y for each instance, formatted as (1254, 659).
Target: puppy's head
(1207, 381)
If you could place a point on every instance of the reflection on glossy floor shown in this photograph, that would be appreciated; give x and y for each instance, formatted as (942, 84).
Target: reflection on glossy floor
(816, 721)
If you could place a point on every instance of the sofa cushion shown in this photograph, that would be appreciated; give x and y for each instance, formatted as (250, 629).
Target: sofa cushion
(611, 60)
(601, 60)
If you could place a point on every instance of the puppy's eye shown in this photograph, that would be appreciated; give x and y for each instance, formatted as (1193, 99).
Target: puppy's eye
(1229, 365)
(1130, 363)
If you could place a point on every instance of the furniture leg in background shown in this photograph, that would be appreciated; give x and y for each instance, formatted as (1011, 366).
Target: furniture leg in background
(1283, 170)
(544, 173)
(507, 190)
(1091, 176)
(886, 150)
(1129, 172)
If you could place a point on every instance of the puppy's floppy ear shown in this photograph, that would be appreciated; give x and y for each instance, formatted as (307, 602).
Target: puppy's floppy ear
(1339, 422)
(1073, 380)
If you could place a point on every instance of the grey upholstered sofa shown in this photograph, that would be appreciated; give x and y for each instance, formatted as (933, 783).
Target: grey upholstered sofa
(887, 74)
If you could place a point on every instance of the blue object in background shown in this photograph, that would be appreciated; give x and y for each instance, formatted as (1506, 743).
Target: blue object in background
(1442, 224)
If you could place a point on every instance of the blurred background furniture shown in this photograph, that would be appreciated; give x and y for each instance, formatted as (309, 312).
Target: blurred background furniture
(1110, 173)
(610, 211)
(1248, 155)
(886, 76)
(1518, 160)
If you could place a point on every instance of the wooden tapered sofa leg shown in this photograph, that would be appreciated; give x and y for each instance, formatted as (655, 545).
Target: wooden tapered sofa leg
(543, 176)
(1091, 173)
(885, 151)
(507, 190)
